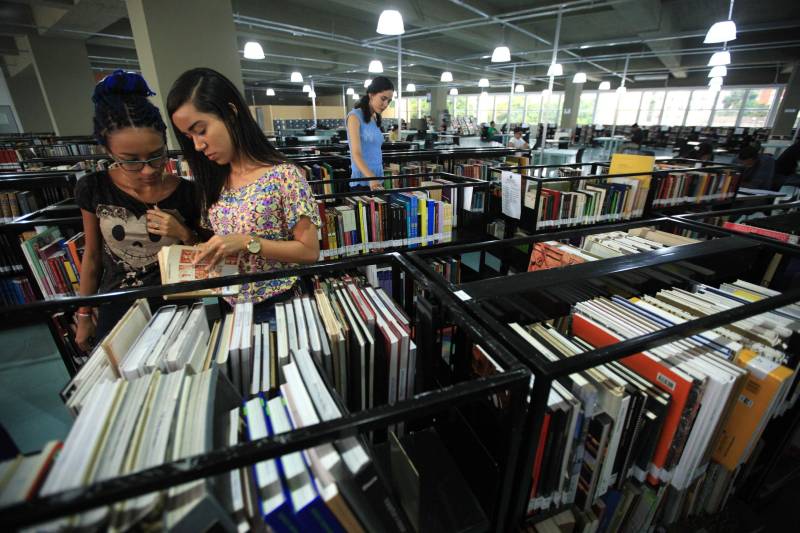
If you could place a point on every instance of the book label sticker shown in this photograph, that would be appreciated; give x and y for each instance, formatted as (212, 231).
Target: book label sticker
(664, 380)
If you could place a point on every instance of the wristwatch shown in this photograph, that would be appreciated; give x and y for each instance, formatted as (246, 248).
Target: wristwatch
(253, 245)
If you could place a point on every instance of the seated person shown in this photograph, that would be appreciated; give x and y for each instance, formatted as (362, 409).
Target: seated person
(394, 134)
(759, 169)
(517, 141)
(703, 152)
(493, 134)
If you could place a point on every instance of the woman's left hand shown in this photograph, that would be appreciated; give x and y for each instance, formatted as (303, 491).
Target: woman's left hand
(163, 223)
(218, 246)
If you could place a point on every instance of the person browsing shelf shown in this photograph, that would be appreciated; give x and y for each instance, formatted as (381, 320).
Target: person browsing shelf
(134, 208)
(364, 134)
(258, 205)
(517, 141)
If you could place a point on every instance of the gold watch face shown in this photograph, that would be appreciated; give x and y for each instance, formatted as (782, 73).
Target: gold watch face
(254, 246)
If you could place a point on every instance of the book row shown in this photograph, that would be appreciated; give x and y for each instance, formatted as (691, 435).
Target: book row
(17, 203)
(55, 260)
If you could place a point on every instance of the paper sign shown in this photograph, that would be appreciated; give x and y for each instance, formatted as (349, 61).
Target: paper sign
(512, 184)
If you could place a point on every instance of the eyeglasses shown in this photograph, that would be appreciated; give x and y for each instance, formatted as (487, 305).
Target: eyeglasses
(156, 163)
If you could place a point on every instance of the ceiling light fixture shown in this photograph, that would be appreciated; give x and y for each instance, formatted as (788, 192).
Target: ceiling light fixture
(519, 88)
(579, 77)
(447, 76)
(484, 94)
(350, 90)
(622, 89)
(555, 69)
(724, 31)
(501, 54)
(453, 92)
(720, 59)
(715, 81)
(297, 77)
(355, 96)
(306, 88)
(546, 93)
(253, 50)
(367, 82)
(604, 86)
(720, 71)
(391, 23)
(375, 66)
(312, 94)
(410, 88)
(483, 82)
(270, 92)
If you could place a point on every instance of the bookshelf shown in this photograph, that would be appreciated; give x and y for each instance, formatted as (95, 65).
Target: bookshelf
(448, 397)
(498, 291)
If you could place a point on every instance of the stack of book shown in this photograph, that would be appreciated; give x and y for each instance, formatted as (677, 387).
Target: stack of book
(782, 228)
(8, 160)
(662, 434)
(365, 224)
(14, 204)
(55, 260)
(22, 477)
(685, 187)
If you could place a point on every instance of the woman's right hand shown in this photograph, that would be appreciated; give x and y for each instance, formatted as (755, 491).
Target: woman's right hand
(375, 185)
(85, 331)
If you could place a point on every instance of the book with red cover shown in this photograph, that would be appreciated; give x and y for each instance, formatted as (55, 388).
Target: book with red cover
(546, 255)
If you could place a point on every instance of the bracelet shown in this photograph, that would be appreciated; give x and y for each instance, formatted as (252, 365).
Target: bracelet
(84, 315)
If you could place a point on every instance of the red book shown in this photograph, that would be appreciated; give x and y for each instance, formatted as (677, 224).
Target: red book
(537, 461)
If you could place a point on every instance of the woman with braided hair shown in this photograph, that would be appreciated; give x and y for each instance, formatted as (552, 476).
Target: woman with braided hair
(134, 208)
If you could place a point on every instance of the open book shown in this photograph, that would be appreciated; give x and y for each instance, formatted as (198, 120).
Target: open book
(175, 263)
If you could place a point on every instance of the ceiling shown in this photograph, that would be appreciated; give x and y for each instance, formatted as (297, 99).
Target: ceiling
(333, 40)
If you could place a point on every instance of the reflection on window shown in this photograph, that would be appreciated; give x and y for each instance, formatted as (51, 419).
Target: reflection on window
(586, 108)
(700, 107)
(650, 110)
(675, 106)
(726, 110)
(756, 107)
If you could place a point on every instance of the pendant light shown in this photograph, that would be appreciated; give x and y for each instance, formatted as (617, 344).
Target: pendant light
(483, 82)
(715, 81)
(546, 93)
(367, 82)
(720, 71)
(390, 23)
(501, 54)
(355, 96)
(721, 58)
(555, 68)
(723, 31)
(453, 92)
(604, 86)
(270, 92)
(519, 88)
(297, 77)
(579, 77)
(306, 88)
(312, 94)
(253, 50)
(375, 66)
(410, 88)
(350, 90)
(447, 76)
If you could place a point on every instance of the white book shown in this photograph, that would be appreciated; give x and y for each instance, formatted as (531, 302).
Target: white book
(291, 327)
(157, 357)
(266, 357)
(131, 366)
(314, 342)
(246, 346)
(282, 339)
(267, 477)
(255, 383)
(300, 322)
(124, 334)
(235, 347)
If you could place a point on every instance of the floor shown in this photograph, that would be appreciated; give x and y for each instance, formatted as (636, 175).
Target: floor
(31, 376)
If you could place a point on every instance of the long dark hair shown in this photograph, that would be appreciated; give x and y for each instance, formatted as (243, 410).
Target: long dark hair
(120, 101)
(378, 85)
(211, 92)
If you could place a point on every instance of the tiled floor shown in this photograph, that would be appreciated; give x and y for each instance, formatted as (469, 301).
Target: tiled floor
(31, 376)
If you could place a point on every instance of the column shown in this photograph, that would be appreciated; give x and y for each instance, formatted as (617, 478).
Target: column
(787, 111)
(572, 101)
(439, 96)
(29, 101)
(65, 80)
(173, 37)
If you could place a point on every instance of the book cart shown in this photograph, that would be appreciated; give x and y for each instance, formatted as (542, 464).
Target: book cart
(555, 197)
(478, 416)
(497, 291)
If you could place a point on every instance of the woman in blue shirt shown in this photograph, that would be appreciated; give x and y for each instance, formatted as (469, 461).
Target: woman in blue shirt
(365, 136)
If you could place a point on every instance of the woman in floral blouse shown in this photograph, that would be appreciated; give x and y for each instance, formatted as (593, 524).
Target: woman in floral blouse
(257, 204)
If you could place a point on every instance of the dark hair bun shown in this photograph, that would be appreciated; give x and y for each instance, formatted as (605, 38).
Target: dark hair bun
(121, 83)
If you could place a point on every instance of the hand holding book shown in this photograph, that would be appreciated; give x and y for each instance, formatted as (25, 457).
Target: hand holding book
(219, 247)
(180, 263)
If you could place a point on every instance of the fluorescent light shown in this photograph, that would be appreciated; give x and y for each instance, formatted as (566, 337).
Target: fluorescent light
(721, 32)
(579, 77)
(555, 69)
(483, 82)
(375, 66)
(453, 92)
(312, 94)
(306, 88)
(501, 54)
(410, 88)
(350, 90)
(270, 92)
(622, 89)
(720, 58)
(715, 81)
(390, 23)
(650, 77)
(446, 76)
(604, 86)
(253, 50)
(720, 71)
(297, 77)
(355, 96)
(367, 82)
(519, 88)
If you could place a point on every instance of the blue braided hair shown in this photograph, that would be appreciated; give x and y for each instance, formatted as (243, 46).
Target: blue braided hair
(120, 101)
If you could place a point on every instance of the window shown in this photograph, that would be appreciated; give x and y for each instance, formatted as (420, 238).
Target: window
(700, 107)
(650, 110)
(485, 108)
(726, 110)
(500, 109)
(461, 106)
(757, 106)
(629, 107)
(675, 105)
(424, 106)
(606, 106)
(412, 105)
(517, 109)
(472, 106)
(551, 113)
(451, 106)
(532, 107)
(586, 108)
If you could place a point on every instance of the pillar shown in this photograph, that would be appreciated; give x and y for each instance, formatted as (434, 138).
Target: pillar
(572, 101)
(787, 111)
(29, 101)
(173, 37)
(66, 82)
(9, 119)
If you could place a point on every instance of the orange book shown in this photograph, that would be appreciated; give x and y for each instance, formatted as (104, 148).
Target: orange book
(746, 421)
(537, 461)
(545, 256)
(654, 371)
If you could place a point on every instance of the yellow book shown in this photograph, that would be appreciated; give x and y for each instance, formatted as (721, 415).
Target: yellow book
(762, 390)
(422, 209)
(73, 279)
(629, 163)
(448, 222)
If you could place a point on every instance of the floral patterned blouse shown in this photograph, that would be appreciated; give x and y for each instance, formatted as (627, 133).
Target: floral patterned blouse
(269, 208)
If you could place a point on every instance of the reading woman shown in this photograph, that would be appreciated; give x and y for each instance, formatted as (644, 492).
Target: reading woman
(258, 205)
(134, 208)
